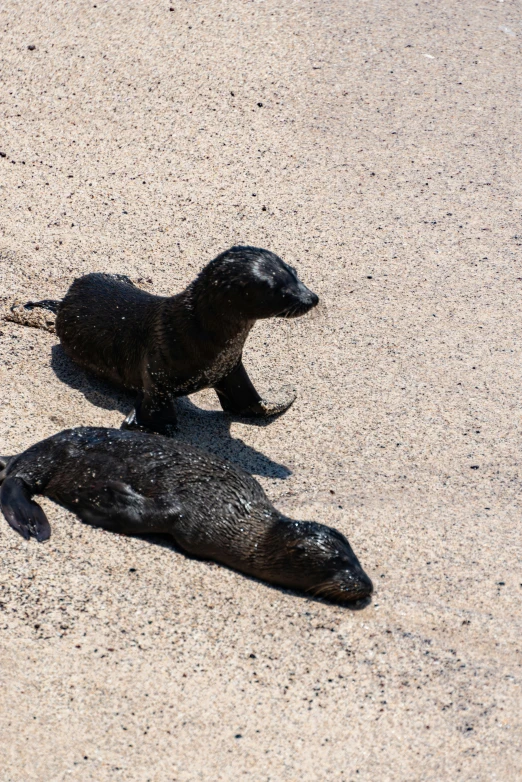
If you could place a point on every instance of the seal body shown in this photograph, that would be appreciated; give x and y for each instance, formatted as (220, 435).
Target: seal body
(134, 482)
(166, 347)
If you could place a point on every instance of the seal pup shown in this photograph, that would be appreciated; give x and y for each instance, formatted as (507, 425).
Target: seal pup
(167, 347)
(136, 483)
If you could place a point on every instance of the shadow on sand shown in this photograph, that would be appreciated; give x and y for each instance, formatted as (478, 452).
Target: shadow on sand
(167, 542)
(208, 429)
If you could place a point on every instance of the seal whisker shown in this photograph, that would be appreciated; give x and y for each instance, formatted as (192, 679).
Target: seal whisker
(291, 312)
(325, 588)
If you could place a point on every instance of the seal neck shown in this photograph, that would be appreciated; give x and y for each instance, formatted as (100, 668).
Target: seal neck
(214, 314)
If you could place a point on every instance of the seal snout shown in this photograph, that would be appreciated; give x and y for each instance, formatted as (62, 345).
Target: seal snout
(302, 300)
(350, 586)
(308, 297)
(346, 582)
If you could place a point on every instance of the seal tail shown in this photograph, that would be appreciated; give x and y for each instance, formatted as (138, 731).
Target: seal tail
(37, 314)
(21, 512)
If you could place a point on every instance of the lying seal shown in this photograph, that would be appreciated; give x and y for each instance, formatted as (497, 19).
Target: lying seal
(164, 348)
(134, 482)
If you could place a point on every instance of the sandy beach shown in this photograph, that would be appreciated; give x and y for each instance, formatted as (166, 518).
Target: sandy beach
(375, 146)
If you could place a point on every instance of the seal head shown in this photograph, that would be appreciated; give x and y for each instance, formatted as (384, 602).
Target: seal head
(249, 283)
(316, 559)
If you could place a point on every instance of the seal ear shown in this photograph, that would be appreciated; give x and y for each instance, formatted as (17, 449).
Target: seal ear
(22, 514)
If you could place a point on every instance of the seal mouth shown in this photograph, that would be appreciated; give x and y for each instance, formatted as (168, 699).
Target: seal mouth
(297, 309)
(347, 592)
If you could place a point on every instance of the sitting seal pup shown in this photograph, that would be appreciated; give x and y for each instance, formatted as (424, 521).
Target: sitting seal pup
(135, 483)
(166, 347)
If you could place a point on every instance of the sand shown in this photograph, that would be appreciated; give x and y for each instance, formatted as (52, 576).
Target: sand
(375, 146)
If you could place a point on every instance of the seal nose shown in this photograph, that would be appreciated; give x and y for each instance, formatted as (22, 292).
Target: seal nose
(308, 297)
(357, 585)
(366, 585)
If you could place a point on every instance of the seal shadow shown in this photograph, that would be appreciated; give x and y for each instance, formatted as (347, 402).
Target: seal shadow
(96, 391)
(208, 429)
(166, 541)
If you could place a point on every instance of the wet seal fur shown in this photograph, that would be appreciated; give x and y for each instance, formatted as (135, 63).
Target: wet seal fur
(136, 483)
(167, 347)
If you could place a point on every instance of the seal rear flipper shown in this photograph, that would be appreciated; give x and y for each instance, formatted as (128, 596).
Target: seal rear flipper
(22, 513)
(4, 461)
(37, 314)
(45, 304)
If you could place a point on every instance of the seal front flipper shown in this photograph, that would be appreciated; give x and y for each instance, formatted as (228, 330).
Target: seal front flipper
(238, 395)
(22, 513)
(113, 505)
(117, 507)
(154, 412)
(277, 404)
(130, 423)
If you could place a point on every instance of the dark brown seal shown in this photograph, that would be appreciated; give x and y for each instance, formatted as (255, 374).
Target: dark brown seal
(166, 347)
(134, 482)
